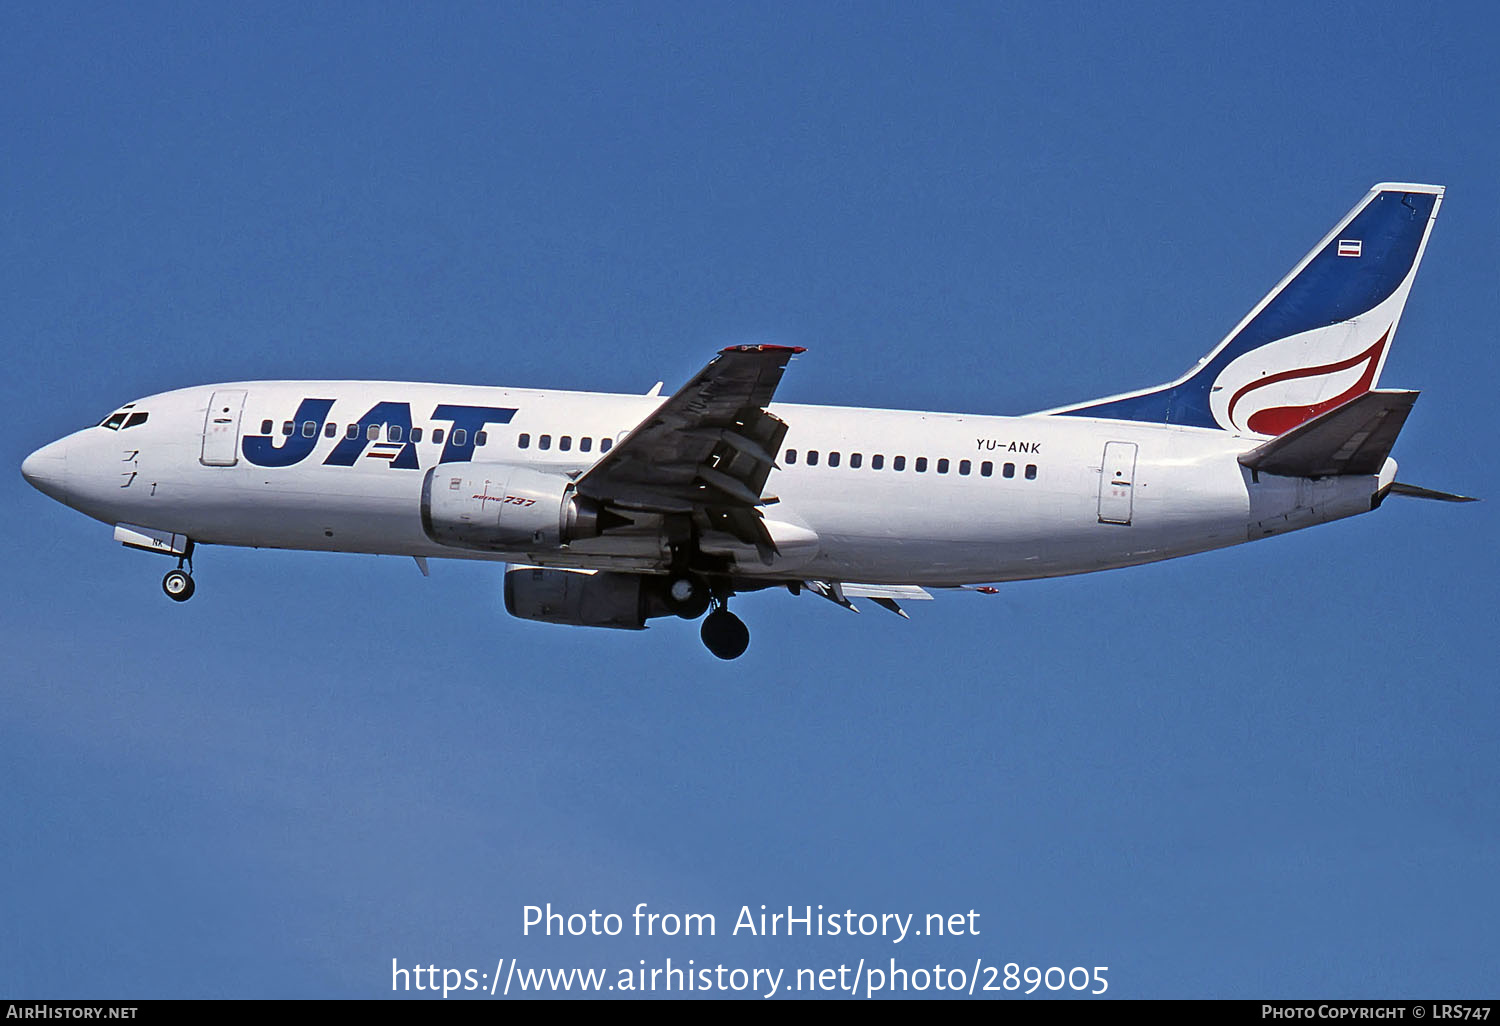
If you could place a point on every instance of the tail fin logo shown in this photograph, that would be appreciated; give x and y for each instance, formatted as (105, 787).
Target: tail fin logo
(1318, 339)
(1274, 403)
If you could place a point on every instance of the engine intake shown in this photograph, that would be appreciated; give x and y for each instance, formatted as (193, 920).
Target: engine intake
(504, 508)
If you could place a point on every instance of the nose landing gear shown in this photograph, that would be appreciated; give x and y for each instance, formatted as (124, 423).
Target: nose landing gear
(178, 585)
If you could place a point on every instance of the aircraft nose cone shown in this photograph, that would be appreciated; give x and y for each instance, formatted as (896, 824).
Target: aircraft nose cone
(46, 470)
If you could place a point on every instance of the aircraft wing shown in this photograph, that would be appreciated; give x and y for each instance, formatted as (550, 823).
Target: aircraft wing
(883, 595)
(707, 450)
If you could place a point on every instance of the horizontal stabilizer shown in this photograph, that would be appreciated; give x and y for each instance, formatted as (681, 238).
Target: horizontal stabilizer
(1354, 438)
(1418, 492)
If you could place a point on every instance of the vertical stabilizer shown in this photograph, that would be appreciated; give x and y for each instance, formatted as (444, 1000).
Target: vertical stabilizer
(1318, 340)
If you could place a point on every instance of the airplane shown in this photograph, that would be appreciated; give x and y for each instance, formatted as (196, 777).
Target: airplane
(612, 510)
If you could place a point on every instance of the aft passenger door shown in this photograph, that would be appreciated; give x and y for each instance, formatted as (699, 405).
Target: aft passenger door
(221, 429)
(1117, 483)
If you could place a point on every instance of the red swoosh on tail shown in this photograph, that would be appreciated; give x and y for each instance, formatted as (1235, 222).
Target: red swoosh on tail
(1280, 419)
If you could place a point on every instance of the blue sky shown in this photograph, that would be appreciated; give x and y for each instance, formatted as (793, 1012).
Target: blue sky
(1267, 771)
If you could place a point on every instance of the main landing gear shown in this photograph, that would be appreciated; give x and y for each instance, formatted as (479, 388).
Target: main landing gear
(687, 595)
(690, 595)
(725, 634)
(178, 584)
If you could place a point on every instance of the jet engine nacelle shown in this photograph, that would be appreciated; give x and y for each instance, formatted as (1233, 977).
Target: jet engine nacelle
(580, 598)
(503, 508)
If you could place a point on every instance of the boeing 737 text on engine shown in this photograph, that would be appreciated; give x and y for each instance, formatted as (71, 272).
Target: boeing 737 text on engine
(616, 509)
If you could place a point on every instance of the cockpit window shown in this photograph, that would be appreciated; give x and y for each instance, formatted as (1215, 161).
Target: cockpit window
(123, 418)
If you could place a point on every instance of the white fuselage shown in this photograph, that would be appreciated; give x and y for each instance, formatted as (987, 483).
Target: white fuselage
(1012, 498)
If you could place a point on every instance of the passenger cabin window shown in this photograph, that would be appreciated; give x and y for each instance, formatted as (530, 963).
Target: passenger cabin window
(524, 441)
(791, 457)
(393, 432)
(372, 433)
(416, 434)
(833, 459)
(1010, 470)
(330, 429)
(545, 442)
(963, 467)
(899, 463)
(351, 432)
(265, 427)
(942, 466)
(585, 444)
(986, 469)
(606, 444)
(481, 437)
(460, 437)
(1031, 471)
(287, 427)
(437, 436)
(565, 442)
(812, 457)
(855, 459)
(921, 464)
(877, 462)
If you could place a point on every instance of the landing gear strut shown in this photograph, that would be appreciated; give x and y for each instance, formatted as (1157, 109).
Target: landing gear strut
(689, 593)
(178, 584)
(725, 634)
